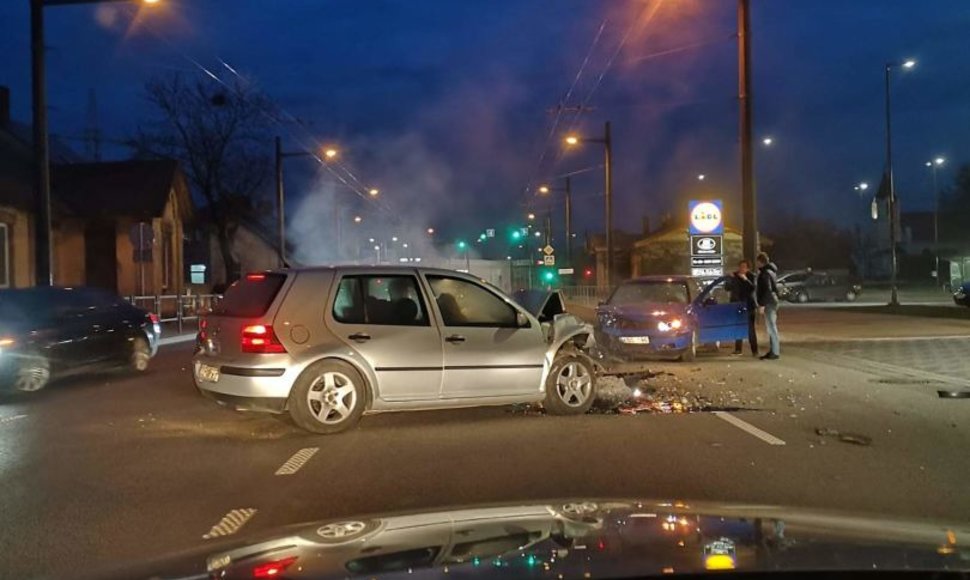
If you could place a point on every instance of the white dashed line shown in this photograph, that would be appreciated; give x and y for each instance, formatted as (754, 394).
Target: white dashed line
(749, 428)
(230, 523)
(11, 419)
(299, 459)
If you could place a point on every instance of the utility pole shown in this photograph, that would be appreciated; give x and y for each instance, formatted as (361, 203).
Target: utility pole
(43, 275)
(748, 195)
(608, 166)
(894, 264)
(547, 226)
(569, 222)
(280, 216)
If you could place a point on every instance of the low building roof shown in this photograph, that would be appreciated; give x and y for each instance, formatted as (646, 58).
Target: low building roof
(137, 189)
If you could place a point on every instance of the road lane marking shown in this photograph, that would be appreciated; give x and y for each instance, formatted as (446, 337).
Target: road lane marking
(749, 428)
(230, 523)
(11, 419)
(299, 459)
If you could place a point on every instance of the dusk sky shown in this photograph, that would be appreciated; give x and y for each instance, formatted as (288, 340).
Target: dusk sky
(445, 105)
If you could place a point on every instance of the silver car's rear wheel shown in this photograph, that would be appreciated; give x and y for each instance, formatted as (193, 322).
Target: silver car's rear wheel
(332, 397)
(571, 385)
(328, 397)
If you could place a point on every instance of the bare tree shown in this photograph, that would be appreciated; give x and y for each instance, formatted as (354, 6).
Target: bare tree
(219, 134)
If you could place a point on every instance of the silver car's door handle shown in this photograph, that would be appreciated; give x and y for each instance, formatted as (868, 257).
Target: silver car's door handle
(455, 338)
(359, 336)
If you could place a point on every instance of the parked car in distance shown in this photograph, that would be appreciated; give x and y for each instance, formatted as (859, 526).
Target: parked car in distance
(812, 286)
(962, 296)
(47, 332)
(668, 317)
(329, 344)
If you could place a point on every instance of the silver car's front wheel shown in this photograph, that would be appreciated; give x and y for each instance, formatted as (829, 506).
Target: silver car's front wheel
(571, 385)
(328, 397)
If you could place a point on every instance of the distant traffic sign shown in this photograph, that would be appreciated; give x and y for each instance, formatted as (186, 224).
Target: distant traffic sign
(490, 233)
(566, 271)
(549, 260)
(548, 250)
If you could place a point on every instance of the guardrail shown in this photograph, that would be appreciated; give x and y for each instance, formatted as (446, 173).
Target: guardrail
(586, 295)
(176, 308)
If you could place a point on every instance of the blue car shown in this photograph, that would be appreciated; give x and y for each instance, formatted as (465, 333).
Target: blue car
(962, 295)
(668, 317)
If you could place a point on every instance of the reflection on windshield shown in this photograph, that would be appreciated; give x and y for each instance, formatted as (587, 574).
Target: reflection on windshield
(639, 292)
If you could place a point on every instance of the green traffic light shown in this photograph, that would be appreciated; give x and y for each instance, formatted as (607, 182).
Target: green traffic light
(516, 235)
(461, 245)
(549, 276)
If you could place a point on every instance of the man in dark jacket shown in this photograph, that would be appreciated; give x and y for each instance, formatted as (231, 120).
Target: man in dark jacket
(766, 294)
(742, 287)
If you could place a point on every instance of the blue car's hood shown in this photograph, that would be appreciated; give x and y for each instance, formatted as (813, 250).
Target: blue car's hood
(646, 311)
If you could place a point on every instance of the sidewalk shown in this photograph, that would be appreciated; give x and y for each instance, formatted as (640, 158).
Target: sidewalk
(171, 335)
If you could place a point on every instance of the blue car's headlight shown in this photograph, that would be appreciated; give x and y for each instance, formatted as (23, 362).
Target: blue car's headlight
(675, 324)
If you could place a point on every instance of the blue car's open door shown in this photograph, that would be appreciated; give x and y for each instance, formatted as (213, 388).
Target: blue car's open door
(719, 319)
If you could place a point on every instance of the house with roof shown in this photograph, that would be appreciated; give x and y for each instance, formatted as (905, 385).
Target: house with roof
(116, 225)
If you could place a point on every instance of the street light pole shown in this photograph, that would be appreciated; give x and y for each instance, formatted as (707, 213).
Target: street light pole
(893, 259)
(569, 222)
(936, 216)
(748, 195)
(608, 194)
(280, 216)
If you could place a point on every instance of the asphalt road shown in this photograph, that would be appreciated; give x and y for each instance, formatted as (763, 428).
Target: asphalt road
(101, 471)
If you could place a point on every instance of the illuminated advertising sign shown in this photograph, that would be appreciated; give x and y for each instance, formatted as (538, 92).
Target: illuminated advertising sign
(706, 217)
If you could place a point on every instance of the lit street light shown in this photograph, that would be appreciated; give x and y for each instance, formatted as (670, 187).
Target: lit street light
(572, 140)
(358, 219)
(531, 216)
(700, 177)
(430, 231)
(394, 238)
(893, 218)
(330, 153)
(543, 189)
(933, 165)
(767, 141)
(374, 192)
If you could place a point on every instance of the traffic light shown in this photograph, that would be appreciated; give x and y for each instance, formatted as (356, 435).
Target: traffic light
(588, 273)
(462, 244)
(548, 276)
(516, 235)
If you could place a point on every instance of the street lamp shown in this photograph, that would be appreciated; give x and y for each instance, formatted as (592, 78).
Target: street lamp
(893, 218)
(358, 219)
(280, 199)
(607, 142)
(430, 231)
(374, 192)
(701, 177)
(568, 191)
(43, 272)
(937, 162)
(767, 141)
(531, 216)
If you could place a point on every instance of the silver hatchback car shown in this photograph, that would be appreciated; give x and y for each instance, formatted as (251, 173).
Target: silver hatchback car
(328, 344)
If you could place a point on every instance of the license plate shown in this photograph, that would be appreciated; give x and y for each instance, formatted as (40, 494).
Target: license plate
(208, 373)
(635, 339)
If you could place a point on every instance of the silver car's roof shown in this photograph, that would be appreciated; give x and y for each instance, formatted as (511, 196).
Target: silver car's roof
(395, 269)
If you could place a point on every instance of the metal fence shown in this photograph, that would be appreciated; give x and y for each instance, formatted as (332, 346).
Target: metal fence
(586, 295)
(177, 308)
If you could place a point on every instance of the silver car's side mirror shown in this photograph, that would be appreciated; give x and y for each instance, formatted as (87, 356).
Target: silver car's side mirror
(521, 320)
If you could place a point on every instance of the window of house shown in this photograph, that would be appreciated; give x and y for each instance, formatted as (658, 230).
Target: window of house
(197, 274)
(4, 256)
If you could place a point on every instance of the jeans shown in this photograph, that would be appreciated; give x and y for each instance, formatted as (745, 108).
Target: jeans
(771, 324)
(752, 332)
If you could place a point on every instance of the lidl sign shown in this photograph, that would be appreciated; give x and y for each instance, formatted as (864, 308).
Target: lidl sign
(706, 217)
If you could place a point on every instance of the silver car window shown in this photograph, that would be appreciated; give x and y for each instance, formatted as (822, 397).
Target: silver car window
(381, 300)
(464, 303)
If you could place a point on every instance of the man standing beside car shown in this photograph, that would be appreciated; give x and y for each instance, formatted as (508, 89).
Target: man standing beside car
(743, 290)
(766, 295)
